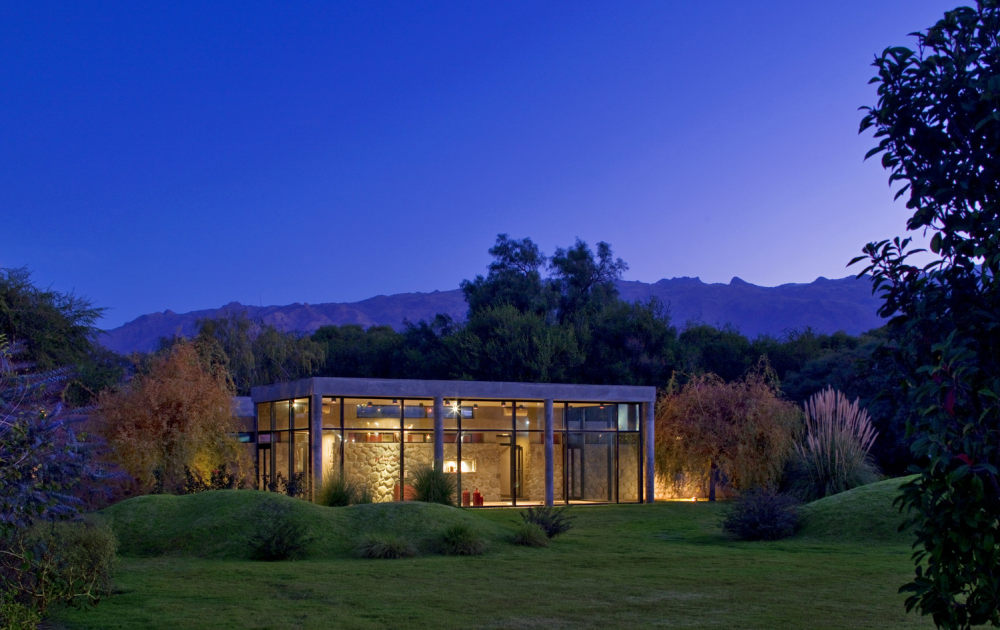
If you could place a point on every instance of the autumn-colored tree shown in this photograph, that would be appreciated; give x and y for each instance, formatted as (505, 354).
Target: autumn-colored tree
(740, 430)
(175, 416)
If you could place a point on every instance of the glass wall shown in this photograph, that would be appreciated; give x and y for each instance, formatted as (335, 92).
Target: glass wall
(283, 458)
(494, 448)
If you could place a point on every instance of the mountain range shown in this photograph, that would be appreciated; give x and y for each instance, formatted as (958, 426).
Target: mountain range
(825, 305)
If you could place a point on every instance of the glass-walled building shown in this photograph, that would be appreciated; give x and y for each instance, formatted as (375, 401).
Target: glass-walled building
(505, 443)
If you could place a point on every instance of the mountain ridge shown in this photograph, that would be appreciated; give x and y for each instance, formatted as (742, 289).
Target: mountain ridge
(825, 305)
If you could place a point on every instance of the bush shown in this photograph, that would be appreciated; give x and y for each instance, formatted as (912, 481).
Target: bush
(68, 562)
(279, 535)
(762, 515)
(433, 486)
(339, 491)
(219, 479)
(833, 455)
(530, 535)
(462, 540)
(553, 521)
(386, 547)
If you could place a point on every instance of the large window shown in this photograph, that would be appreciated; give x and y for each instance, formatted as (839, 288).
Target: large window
(494, 448)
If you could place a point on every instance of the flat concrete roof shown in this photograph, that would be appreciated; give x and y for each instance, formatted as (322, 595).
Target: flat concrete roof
(468, 390)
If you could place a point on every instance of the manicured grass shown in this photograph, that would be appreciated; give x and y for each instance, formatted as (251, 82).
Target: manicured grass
(664, 565)
(861, 514)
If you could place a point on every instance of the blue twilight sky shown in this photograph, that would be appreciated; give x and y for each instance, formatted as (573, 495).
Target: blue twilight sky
(183, 155)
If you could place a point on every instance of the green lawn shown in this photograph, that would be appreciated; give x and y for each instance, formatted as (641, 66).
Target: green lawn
(663, 565)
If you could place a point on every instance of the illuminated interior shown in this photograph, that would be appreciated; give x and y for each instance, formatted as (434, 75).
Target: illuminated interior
(494, 448)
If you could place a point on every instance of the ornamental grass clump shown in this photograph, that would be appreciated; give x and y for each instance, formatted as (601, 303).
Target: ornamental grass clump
(433, 486)
(339, 491)
(833, 454)
(462, 540)
(530, 535)
(553, 521)
(385, 547)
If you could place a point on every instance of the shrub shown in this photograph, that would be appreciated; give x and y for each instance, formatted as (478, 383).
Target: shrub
(552, 520)
(433, 486)
(462, 540)
(67, 561)
(279, 535)
(385, 547)
(530, 535)
(339, 491)
(762, 515)
(833, 455)
(219, 479)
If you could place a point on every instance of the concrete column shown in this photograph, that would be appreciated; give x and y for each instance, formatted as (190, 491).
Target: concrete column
(316, 440)
(549, 453)
(650, 443)
(438, 433)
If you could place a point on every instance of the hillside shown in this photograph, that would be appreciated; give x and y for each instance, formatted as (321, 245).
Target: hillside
(824, 305)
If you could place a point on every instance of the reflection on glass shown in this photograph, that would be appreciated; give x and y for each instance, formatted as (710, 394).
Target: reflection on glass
(300, 411)
(486, 414)
(530, 415)
(628, 467)
(628, 417)
(264, 416)
(331, 413)
(282, 409)
(590, 466)
(371, 413)
(331, 455)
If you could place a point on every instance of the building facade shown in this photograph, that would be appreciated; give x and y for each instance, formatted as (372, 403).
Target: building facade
(506, 443)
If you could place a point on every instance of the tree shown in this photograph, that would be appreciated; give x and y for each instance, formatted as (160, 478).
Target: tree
(502, 343)
(177, 416)
(54, 329)
(741, 431)
(514, 278)
(585, 284)
(43, 467)
(937, 123)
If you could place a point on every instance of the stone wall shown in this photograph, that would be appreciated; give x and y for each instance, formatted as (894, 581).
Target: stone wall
(376, 464)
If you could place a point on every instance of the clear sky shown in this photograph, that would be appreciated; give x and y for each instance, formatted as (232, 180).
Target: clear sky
(183, 155)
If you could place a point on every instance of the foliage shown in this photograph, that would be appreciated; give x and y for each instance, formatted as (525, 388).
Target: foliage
(833, 454)
(514, 278)
(762, 514)
(253, 353)
(219, 479)
(504, 344)
(339, 491)
(175, 416)
(385, 547)
(870, 372)
(279, 534)
(432, 485)
(55, 329)
(741, 431)
(937, 128)
(462, 540)
(55, 562)
(530, 535)
(552, 520)
(43, 465)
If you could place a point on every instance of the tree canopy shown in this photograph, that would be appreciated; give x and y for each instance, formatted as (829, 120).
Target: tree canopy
(937, 126)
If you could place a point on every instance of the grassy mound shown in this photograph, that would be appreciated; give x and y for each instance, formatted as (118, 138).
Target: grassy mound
(862, 514)
(219, 524)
